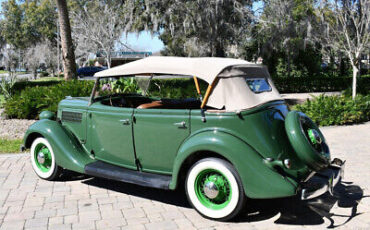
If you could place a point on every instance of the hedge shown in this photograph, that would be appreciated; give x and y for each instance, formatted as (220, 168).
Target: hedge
(337, 110)
(318, 84)
(33, 97)
(28, 103)
(21, 85)
(284, 85)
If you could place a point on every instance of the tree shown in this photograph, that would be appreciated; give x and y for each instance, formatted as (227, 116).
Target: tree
(2, 44)
(12, 24)
(34, 56)
(284, 29)
(43, 53)
(69, 64)
(198, 27)
(9, 57)
(28, 23)
(98, 26)
(50, 56)
(345, 26)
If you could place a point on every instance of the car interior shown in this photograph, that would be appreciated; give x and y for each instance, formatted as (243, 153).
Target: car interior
(143, 102)
(139, 101)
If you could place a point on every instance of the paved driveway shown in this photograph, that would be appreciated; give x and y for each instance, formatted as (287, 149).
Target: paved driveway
(26, 202)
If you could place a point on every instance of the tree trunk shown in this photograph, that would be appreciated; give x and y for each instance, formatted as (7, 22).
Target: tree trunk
(354, 82)
(109, 59)
(69, 63)
(288, 59)
(288, 64)
(220, 52)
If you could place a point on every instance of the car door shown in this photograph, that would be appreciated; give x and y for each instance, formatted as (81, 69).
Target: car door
(110, 134)
(158, 133)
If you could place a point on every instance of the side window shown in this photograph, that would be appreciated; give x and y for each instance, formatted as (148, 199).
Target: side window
(118, 86)
(175, 88)
(165, 92)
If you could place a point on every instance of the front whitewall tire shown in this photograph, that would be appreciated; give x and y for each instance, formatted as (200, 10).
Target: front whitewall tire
(54, 170)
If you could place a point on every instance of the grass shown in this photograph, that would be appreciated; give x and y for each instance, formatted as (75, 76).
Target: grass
(2, 100)
(10, 146)
(6, 71)
(49, 79)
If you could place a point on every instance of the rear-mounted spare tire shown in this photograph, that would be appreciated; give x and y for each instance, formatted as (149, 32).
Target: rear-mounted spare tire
(307, 140)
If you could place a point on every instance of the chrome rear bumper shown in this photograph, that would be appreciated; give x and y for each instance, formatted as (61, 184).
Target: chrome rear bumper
(323, 181)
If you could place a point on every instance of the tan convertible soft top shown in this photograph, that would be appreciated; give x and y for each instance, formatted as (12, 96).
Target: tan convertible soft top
(206, 68)
(226, 76)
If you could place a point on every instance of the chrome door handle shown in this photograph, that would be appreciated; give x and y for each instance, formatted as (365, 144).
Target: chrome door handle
(125, 121)
(180, 124)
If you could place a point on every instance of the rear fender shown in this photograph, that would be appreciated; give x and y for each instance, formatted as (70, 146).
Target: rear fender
(68, 151)
(259, 181)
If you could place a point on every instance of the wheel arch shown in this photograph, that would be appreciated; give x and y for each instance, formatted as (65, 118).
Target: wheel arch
(195, 157)
(29, 139)
(68, 151)
(255, 175)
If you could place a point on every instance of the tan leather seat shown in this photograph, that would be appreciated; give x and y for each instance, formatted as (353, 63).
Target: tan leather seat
(153, 104)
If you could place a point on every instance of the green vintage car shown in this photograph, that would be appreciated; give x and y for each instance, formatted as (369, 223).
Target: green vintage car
(237, 139)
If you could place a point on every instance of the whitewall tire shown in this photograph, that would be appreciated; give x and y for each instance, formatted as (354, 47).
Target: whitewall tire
(214, 189)
(43, 160)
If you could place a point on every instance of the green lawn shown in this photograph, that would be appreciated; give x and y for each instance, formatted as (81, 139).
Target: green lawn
(18, 72)
(10, 146)
(49, 79)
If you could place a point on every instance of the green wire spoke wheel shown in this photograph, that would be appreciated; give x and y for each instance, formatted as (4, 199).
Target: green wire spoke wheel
(213, 189)
(43, 157)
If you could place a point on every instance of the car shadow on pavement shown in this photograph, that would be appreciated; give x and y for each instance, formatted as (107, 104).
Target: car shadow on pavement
(177, 197)
(68, 175)
(291, 211)
(294, 211)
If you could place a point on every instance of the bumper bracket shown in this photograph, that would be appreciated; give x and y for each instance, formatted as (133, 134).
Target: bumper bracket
(323, 181)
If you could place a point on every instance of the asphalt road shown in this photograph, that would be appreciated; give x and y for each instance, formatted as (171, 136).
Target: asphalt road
(27, 202)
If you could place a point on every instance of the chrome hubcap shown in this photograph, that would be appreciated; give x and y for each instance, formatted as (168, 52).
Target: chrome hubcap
(210, 190)
(41, 157)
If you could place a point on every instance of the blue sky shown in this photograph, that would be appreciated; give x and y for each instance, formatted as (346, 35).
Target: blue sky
(144, 41)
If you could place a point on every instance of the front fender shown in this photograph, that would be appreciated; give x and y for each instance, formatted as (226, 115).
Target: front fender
(68, 151)
(258, 180)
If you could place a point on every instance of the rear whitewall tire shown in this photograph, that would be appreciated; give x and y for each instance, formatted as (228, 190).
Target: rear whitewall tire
(54, 170)
(237, 200)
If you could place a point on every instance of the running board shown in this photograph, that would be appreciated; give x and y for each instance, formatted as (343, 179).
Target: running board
(108, 171)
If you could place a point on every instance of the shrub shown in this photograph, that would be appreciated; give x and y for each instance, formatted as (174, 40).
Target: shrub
(337, 110)
(43, 74)
(318, 84)
(21, 85)
(32, 100)
(7, 86)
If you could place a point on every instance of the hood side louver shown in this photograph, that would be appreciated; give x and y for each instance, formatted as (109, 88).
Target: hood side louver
(71, 116)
